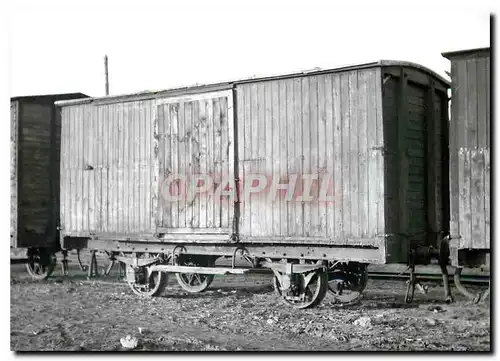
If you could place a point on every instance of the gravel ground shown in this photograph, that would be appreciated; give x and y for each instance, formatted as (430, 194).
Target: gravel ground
(235, 313)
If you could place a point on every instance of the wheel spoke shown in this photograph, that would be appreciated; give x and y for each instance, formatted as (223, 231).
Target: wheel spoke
(309, 294)
(147, 283)
(347, 281)
(198, 278)
(184, 277)
(194, 282)
(39, 267)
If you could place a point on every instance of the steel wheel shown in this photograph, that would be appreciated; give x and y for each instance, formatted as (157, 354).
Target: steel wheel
(347, 283)
(40, 264)
(309, 294)
(148, 284)
(195, 282)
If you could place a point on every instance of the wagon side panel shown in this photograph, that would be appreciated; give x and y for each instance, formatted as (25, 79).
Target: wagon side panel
(326, 130)
(55, 169)
(196, 166)
(470, 151)
(14, 140)
(454, 141)
(36, 205)
(108, 162)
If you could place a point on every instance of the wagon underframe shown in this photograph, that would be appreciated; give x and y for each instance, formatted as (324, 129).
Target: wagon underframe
(364, 254)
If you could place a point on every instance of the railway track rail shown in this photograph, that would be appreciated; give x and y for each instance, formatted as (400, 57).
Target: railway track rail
(467, 276)
(463, 278)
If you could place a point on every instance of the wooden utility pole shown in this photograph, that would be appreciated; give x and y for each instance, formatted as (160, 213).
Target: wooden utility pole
(106, 73)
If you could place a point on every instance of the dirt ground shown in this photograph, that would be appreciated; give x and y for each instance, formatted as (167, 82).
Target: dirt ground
(237, 313)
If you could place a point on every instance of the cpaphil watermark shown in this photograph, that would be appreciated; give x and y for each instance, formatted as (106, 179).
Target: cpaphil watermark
(316, 188)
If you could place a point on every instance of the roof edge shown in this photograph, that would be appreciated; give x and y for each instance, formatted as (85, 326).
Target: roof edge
(228, 84)
(48, 96)
(455, 53)
(416, 66)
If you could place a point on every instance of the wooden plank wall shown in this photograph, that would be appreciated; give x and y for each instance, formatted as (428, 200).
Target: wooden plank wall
(324, 124)
(108, 178)
(35, 198)
(439, 185)
(14, 139)
(415, 141)
(470, 151)
(116, 156)
(196, 137)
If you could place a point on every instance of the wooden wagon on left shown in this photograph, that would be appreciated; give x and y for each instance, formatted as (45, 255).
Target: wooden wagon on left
(35, 140)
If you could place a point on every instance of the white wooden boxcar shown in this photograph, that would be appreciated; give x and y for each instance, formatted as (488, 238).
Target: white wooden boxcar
(376, 132)
(379, 130)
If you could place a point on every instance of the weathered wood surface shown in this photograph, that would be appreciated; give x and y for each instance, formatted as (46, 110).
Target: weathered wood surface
(35, 203)
(326, 124)
(196, 137)
(35, 147)
(107, 168)
(14, 139)
(35, 173)
(414, 197)
(414, 141)
(433, 145)
(116, 157)
(470, 150)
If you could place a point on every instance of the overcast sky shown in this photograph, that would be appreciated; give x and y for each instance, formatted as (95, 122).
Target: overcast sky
(55, 48)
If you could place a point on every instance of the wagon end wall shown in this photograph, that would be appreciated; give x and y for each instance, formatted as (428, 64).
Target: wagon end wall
(35, 135)
(36, 198)
(415, 140)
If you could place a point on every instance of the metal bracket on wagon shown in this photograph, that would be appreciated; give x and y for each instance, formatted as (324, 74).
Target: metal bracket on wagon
(138, 262)
(290, 268)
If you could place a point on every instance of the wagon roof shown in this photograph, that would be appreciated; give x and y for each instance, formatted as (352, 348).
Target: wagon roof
(60, 97)
(466, 52)
(151, 94)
